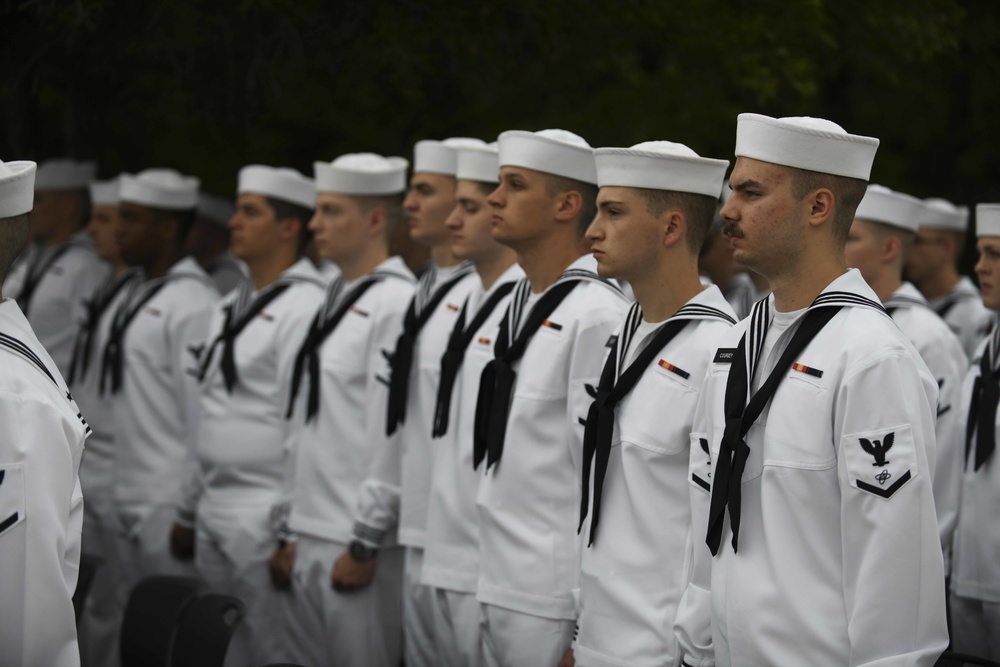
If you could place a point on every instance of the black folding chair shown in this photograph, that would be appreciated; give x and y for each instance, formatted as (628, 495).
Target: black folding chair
(88, 568)
(953, 659)
(205, 630)
(151, 616)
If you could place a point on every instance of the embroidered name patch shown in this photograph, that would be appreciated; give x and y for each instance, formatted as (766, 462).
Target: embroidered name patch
(725, 355)
(802, 368)
(552, 325)
(880, 462)
(663, 363)
(612, 341)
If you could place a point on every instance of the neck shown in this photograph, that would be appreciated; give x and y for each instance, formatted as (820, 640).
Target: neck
(363, 263)
(491, 268)
(663, 294)
(886, 285)
(799, 287)
(545, 262)
(442, 256)
(941, 283)
(159, 267)
(265, 270)
(59, 236)
(119, 267)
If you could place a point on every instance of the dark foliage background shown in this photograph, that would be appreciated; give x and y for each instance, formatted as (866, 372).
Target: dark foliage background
(207, 87)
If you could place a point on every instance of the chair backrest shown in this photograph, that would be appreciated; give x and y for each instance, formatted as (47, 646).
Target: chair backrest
(88, 568)
(205, 629)
(151, 616)
(953, 659)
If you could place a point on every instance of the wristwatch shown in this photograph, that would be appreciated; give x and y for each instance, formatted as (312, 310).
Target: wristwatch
(360, 552)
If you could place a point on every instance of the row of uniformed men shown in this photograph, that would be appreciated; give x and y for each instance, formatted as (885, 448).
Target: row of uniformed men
(291, 414)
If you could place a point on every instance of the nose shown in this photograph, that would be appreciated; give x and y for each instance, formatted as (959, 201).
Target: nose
(454, 219)
(410, 203)
(496, 198)
(981, 268)
(313, 225)
(729, 212)
(595, 232)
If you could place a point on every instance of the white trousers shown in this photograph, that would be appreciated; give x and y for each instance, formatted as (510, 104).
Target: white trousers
(361, 628)
(975, 627)
(100, 623)
(456, 628)
(514, 639)
(232, 549)
(418, 613)
(143, 540)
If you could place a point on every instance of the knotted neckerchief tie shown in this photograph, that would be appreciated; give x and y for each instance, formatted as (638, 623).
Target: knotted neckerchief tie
(600, 426)
(496, 384)
(239, 315)
(458, 343)
(96, 306)
(113, 361)
(421, 309)
(36, 271)
(326, 320)
(983, 406)
(741, 414)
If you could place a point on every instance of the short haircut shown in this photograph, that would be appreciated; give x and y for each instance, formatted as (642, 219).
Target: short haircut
(184, 218)
(391, 204)
(13, 238)
(284, 209)
(698, 210)
(883, 230)
(847, 192)
(588, 192)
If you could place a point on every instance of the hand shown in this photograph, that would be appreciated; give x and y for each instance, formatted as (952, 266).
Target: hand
(567, 660)
(280, 566)
(182, 542)
(350, 575)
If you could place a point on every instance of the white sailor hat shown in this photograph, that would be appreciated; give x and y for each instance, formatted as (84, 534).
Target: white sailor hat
(556, 152)
(805, 143)
(362, 174)
(479, 163)
(105, 193)
(880, 204)
(281, 183)
(216, 209)
(660, 165)
(17, 188)
(441, 157)
(987, 219)
(65, 174)
(160, 188)
(942, 214)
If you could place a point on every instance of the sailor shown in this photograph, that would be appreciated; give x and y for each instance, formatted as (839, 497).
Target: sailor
(208, 242)
(150, 366)
(533, 398)
(933, 265)
(61, 271)
(975, 581)
(451, 554)
(655, 205)
(336, 407)
(41, 506)
(246, 369)
(102, 616)
(880, 238)
(402, 478)
(820, 515)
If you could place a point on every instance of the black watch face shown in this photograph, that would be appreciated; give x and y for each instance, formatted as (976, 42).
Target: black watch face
(360, 552)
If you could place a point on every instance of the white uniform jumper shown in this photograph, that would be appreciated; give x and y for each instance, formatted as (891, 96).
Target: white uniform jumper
(965, 313)
(438, 300)
(226, 272)
(102, 616)
(839, 560)
(156, 409)
(57, 282)
(336, 442)
(242, 444)
(41, 507)
(451, 554)
(942, 352)
(975, 582)
(529, 502)
(634, 573)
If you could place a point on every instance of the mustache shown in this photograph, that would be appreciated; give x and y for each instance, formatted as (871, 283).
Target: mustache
(730, 229)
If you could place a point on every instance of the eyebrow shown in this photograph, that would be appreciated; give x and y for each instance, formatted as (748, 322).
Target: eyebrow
(603, 204)
(745, 185)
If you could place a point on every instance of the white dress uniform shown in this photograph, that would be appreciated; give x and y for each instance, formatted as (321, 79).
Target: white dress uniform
(60, 279)
(975, 582)
(102, 616)
(156, 410)
(740, 294)
(942, 352)
(528, 504)
(965, 313)
(399, 487)
(41, 506)
(838, 559)
(333, 451)
(226, 272)
(634, 573)
(242, 444)
(451, 553)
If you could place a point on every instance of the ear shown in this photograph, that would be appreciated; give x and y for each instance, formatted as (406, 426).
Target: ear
(674, 228)
(568, 205)
(377, 221)
(892, 248)
(821, 205)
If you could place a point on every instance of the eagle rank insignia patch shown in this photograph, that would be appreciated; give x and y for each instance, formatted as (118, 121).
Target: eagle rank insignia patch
(880, 462)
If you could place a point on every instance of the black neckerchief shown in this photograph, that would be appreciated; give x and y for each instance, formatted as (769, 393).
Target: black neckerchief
(983, 406)
(36, 271)
(96, 306)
